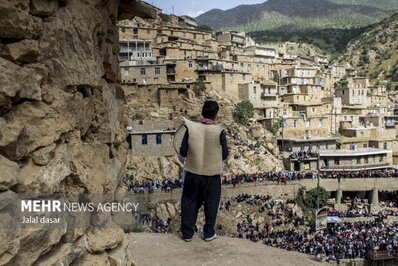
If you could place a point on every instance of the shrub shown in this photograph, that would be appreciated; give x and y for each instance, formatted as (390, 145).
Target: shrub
(243, 111)
(307, 199)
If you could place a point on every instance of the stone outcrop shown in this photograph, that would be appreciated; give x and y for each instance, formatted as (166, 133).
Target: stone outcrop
(61, 123)
(222, 251)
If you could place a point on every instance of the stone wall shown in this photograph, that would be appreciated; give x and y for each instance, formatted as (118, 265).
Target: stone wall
(61, 121)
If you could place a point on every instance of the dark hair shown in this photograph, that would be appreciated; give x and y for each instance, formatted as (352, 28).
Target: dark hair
(210, 109)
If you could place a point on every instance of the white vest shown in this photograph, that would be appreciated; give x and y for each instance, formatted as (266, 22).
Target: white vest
(204, 156)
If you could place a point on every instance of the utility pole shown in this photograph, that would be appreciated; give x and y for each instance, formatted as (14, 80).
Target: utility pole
(317, 190)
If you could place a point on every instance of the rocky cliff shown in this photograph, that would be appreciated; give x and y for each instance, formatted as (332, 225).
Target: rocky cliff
(61, 123)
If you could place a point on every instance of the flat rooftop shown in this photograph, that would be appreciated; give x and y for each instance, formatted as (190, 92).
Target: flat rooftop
(357, 152)
(312, 139)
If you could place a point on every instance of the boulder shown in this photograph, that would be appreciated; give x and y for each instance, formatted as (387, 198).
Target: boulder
(43, 7)
(171, 209)
(93, 260)
(22, 82)
(120, 255)
(25, 51)
(48, 178)
(10, 227)
(14, 18)
(44, 155)
(256, 132)
(100, 239)
(37, 239)
(161, 211)
(63, 254)
(9, 171)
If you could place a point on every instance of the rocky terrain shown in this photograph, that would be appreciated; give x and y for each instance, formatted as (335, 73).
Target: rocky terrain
(222, 251)
(62, 125)
(252, 148)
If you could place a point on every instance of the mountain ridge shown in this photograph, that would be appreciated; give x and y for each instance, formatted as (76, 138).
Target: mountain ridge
(301, 13)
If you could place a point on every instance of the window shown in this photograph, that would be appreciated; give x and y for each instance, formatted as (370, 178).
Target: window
(143, 71)
(126, 71)
(365, 145)
(158, 138)
(295, 123)
(255, 90)
(157, 70)
(337, 161)
(385, 145)
(231, 76)
(244, 77)
(248, 67)
(308, 123)
(358, 160)
(366, 159)
(190, 64)
(361, 133)
(144, 139)
(320, 122)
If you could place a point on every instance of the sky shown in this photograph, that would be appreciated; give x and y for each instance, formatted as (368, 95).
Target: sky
(194, 8)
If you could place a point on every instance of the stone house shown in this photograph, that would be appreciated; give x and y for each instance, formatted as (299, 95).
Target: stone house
(151, 138)
(144, 74)
(260, 94)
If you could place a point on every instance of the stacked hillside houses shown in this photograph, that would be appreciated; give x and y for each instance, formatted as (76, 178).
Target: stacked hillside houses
(324, 116)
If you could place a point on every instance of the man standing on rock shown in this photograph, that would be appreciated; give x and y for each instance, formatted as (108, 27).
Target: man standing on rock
(205, 148)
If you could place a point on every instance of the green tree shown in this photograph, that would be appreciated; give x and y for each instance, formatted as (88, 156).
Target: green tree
(164, 17)
(200, 85)
(275, 128)
(244, 110)
(204, 27)
(307, 199)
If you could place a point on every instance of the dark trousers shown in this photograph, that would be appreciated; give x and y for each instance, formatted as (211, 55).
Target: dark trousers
(200, 190)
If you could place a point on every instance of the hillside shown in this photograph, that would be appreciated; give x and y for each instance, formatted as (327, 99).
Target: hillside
(300, 14)
(374, 53)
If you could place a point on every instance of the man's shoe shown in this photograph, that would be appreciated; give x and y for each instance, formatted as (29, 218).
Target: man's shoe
(185, 239)
(208, 239)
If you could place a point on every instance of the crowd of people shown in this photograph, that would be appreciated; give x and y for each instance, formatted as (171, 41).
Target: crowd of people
(302, 155)
(375, 173)
(339, 240)
(156, 224)
(277, 177)
(150, 186)
(287, 230)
